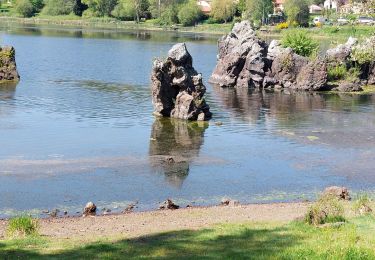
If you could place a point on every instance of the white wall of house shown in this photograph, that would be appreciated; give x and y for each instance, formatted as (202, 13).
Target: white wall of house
(330, 4)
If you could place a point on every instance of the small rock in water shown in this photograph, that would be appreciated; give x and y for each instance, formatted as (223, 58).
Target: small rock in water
(168, 204)
(170, 160)
(229, 202)
(54, 213)
(129, 208)
(90, 209)
(341, 193)
(46, 211)
(65, 212)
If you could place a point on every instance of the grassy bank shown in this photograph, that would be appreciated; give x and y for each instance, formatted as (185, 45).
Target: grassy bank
(295, 240)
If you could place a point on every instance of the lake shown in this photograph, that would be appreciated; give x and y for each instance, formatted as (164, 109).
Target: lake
(79, 127)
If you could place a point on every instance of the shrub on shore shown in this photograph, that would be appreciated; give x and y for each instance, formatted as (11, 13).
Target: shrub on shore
(300, 42)
(24, 8)
(22, 226)
(337, 72)
(362, 205)
(328, 209)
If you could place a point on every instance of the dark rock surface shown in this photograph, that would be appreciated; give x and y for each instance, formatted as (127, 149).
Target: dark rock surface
(177, 88)
(8, 67)
(90, 209)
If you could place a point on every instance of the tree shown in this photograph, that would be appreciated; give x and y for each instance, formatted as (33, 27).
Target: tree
(259, 10)
(58, 7)
(37, 4)
(222, 10)
(189, 13)
(297, 11)
(100, 7)
(79, 7)
(130, 9)
(24, 8)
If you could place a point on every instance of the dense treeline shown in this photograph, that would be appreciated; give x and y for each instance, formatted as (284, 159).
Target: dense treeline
(168, 12)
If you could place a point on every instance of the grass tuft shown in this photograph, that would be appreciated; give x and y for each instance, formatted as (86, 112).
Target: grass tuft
(22, 226)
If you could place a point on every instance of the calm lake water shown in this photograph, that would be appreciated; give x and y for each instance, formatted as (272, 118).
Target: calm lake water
(79, 127)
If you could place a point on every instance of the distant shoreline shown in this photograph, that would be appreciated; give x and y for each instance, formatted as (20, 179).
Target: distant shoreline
(115, 25)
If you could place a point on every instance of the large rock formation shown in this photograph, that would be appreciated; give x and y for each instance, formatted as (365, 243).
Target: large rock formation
(246, 61)
(241, 59)
(177, 88)
(8, 68)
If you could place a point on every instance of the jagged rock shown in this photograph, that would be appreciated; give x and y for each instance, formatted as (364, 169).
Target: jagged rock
(168, 204)
(313, 76)
(341, 53)
(346, 86)
(241, 59)
(90, 209)
(341, 193)
(177, 88)
(8, 67)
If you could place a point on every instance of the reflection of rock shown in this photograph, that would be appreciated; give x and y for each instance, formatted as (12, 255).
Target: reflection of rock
(177, 88)
(8, 68)
(173, 145)
(7, 90)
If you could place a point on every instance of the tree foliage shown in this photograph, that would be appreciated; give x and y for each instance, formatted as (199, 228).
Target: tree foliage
(100, 7)
(223, 10)
(297, 11)
(189, 13)
(58, 7)
(130, 9)
(24, 8)
(258, 10)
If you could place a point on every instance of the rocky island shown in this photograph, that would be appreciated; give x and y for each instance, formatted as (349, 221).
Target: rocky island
(177, 88)
(8, 67)
(244, 60)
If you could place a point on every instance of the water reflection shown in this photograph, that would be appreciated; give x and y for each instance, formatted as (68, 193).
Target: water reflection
(173, 146)
(112, 33)
(331, 118)
(7, 90)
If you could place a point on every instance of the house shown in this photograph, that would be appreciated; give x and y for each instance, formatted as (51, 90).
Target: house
(315, 9)
(278, 6)
(331, 5)
(205, 6)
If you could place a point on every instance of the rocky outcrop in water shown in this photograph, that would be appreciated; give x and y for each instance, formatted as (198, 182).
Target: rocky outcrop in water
(8, 67)
(177, 88)
(244, 60)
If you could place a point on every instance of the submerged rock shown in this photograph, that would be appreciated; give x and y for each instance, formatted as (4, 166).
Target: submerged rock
(8, 67)
(90, 209)
(177, 88)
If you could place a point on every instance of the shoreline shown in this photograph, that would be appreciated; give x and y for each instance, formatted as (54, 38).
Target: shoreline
(112, 25)
(155, 221)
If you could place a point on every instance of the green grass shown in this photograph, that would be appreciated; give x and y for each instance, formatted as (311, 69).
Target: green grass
(22, 226)
(296, 240)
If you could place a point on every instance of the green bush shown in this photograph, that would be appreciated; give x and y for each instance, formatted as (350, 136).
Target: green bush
(336, 72)
(58, 7)
(22, 226)
(300, 42)
(189, 14)
(363, 55)
(328, 209)
(24, 8)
